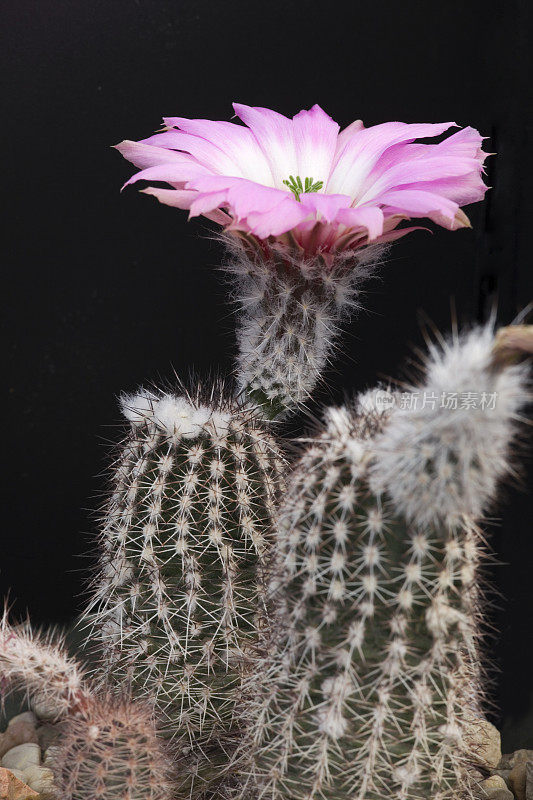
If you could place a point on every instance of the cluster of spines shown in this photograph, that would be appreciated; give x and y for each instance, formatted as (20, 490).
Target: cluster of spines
(179, 598)
(107, 748)
(290, 311)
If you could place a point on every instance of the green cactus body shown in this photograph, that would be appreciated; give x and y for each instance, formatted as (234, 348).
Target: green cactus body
(179, 601)
(373, 685)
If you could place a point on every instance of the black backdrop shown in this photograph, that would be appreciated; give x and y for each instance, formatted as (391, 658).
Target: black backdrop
(105, 291)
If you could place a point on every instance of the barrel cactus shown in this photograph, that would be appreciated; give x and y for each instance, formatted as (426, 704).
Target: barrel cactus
(178, 599)
(110, 751)
(372, 679)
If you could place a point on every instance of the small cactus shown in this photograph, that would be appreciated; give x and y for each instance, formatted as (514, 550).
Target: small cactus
(178, 602)
(39, 665)
(110, 752)
(291, 310)
(373, 685)
(107, 747)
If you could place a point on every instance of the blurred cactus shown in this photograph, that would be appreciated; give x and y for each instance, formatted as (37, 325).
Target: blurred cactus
(372, 682)
(178, 598)
(291, 309)
(107, 747)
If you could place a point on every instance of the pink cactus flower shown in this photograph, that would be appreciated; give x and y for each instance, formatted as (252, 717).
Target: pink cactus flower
(305, 181)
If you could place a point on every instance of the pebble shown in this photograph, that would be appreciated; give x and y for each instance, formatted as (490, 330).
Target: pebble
(12, 788)
(17, 773)
(516, 769)
(499, 794)
(41, 779)
(503, 773)
(529, 780)
(495, 788)
(22, 756)
(517, 780)
(494, 782)
(20, 730)
(44, 709)
(519, 756)
(485, 741)
(50, 755)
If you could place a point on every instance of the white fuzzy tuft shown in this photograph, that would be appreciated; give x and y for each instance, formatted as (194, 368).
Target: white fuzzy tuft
(444, 458)
(138, 407)
(338, 421)
(177, 416)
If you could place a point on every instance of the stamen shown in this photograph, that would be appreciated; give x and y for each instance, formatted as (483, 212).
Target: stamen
(297, 187)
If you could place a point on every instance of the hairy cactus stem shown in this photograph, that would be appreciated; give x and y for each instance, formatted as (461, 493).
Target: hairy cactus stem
(291, 308)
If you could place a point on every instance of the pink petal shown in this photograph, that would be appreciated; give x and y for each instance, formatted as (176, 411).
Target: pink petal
(315, 141)
(466, 142)
(205, 152)
(178, 198)
(417, 203)
(267, 211)
(182, 198)
(280, 219)
(357, 156)
(171, 173)
(410, 171)
(463, 190)
(236, 141)
(346, 134)
(243, 194)
(207, 201)
(145, 155)
(393, 236)
(326, 206)
(369, 218)
(273, 133)
(303, 146)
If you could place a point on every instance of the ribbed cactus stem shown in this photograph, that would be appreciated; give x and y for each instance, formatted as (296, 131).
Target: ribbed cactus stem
(291, 309)
(107, 748)
(372, 683)
(39, 665)
(111, 752)
(179, 599)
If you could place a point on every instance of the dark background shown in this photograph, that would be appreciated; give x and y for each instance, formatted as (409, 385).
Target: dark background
(105, 291)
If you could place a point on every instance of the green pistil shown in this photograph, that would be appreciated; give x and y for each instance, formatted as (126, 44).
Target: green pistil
(297, 188)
